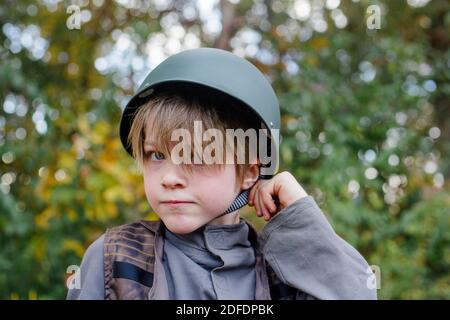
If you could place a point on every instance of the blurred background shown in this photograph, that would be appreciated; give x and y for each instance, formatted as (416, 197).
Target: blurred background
(364, 91)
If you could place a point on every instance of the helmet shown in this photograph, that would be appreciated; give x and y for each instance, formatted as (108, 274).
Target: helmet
(219, 70)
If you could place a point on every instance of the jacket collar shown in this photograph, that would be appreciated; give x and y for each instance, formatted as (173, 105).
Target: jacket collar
(158, 227)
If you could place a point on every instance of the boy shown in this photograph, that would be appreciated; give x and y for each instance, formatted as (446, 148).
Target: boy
(200, 248)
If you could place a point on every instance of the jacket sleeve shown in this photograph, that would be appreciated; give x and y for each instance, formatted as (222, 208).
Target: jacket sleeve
(91, 274)
(305, 253)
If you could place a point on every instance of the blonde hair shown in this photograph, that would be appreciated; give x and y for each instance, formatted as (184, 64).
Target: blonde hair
(177, 106)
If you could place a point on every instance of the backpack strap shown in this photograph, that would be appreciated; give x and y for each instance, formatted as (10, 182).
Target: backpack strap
(129, 260)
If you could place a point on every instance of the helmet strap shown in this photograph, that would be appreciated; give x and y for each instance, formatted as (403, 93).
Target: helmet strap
(242, 199)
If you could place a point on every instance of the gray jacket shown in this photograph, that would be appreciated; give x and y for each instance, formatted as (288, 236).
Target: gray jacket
(218, 261)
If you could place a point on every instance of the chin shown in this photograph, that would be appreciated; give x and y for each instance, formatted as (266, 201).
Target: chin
(179, 226)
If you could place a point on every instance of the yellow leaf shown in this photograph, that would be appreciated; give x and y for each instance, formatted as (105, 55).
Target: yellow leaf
(100, 132)
(43, 218)
(67, 160)
(83, 125)
(39, 245)
(319, 43)
(312, 60)
(32, 295)
(14, 296)
(117, 193)
(72, 215)
(90, 213)
(73, 245)
(151, 216)
(111, 209)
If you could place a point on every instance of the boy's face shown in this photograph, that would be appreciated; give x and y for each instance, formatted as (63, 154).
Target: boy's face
(206, 193)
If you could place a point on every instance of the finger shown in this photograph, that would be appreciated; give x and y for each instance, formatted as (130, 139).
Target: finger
(268, 202)
(257, 204)
(251, 196)
(262, 206)
(254, 191)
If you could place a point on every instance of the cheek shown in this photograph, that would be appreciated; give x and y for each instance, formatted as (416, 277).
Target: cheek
(217, 189)
(149, 186)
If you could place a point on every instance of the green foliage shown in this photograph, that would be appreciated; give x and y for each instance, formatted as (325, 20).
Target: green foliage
(365, 117)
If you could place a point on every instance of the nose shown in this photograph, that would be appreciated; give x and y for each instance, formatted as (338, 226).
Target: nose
(173, 178)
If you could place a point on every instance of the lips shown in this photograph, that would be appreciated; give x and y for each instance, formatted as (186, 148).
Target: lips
(176, 201)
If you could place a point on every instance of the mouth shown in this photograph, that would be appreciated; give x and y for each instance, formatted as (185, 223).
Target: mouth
(176, 202)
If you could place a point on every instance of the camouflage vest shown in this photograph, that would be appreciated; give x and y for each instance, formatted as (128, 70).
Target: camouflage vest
(129, 261)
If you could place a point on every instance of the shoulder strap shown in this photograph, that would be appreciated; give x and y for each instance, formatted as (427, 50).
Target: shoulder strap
(129, 260)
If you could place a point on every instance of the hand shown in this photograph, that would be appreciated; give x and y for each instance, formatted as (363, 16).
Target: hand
(282, 188)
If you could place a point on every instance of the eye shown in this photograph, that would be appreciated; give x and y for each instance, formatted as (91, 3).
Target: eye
(154, 155)
(157, 156)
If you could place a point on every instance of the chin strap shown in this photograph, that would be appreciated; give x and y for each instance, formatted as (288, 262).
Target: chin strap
(240, 201)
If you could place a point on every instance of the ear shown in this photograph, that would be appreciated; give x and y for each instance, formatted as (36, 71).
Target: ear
(250, 176)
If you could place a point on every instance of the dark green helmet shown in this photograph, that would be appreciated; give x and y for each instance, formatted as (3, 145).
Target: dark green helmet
(220, 70)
